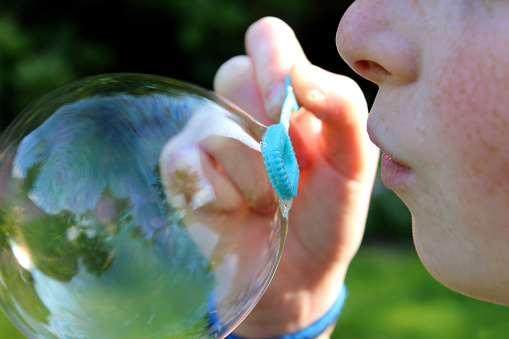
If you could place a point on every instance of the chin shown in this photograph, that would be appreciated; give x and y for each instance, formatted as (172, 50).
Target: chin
(456, 266)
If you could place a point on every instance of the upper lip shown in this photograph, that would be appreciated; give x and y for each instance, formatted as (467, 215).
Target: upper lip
(373, 136)
(371, 133)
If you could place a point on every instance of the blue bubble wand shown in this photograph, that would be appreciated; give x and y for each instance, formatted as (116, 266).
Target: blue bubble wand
(278, 153)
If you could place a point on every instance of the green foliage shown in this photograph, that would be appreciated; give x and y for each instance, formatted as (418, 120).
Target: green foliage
(38, 57)
(44, 45)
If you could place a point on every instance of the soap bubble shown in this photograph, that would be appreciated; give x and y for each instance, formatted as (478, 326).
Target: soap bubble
(134, 206)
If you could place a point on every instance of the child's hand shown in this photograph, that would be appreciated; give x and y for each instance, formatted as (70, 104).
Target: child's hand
(337, 164)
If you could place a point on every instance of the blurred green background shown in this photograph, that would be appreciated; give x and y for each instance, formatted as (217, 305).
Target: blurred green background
(45, 44)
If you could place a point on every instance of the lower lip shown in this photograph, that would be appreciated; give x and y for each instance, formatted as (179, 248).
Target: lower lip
(394, 175)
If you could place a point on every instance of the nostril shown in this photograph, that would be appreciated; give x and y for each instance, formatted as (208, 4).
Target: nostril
(370, 70)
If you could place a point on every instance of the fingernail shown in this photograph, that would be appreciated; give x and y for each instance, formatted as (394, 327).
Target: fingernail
(315, 82)
(316, 95)
(274, 100)
(184, 179)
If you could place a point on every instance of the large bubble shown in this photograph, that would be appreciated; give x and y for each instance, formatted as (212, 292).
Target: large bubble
(134, 206)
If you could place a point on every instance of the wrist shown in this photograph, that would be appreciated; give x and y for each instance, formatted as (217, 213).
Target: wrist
(297, 318)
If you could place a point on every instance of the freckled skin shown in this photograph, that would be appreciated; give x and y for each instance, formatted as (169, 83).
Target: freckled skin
(443, 110)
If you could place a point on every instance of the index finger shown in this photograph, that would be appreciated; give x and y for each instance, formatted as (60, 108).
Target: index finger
(273, 47)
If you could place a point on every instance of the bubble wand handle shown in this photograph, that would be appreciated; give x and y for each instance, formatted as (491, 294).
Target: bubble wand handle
(290, 104)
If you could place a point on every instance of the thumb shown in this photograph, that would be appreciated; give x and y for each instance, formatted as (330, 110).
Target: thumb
(338, 102)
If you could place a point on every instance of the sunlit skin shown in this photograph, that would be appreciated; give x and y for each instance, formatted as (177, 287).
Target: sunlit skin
(337, 163)
(442, 111)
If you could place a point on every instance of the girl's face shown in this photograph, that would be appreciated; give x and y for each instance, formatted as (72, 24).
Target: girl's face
(442, 118)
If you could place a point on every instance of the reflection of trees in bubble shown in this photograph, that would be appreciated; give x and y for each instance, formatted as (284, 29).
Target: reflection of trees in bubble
(51, 251)
(58, 242)
(31, 177)
(160, 193)
(6, 228)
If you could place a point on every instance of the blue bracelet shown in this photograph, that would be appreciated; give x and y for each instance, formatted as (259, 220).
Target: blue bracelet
(310, 332)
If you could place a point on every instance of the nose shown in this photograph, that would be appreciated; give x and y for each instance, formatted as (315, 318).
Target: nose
(378, 40)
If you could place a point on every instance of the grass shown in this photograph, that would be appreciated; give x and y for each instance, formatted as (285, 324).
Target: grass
(390, 295)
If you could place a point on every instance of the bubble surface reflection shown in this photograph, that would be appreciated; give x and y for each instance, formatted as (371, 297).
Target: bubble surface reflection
(131, 206)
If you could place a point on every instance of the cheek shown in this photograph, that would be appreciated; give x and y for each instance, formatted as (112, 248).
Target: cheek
(469, 114)
(467, 119)
(460, 209)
